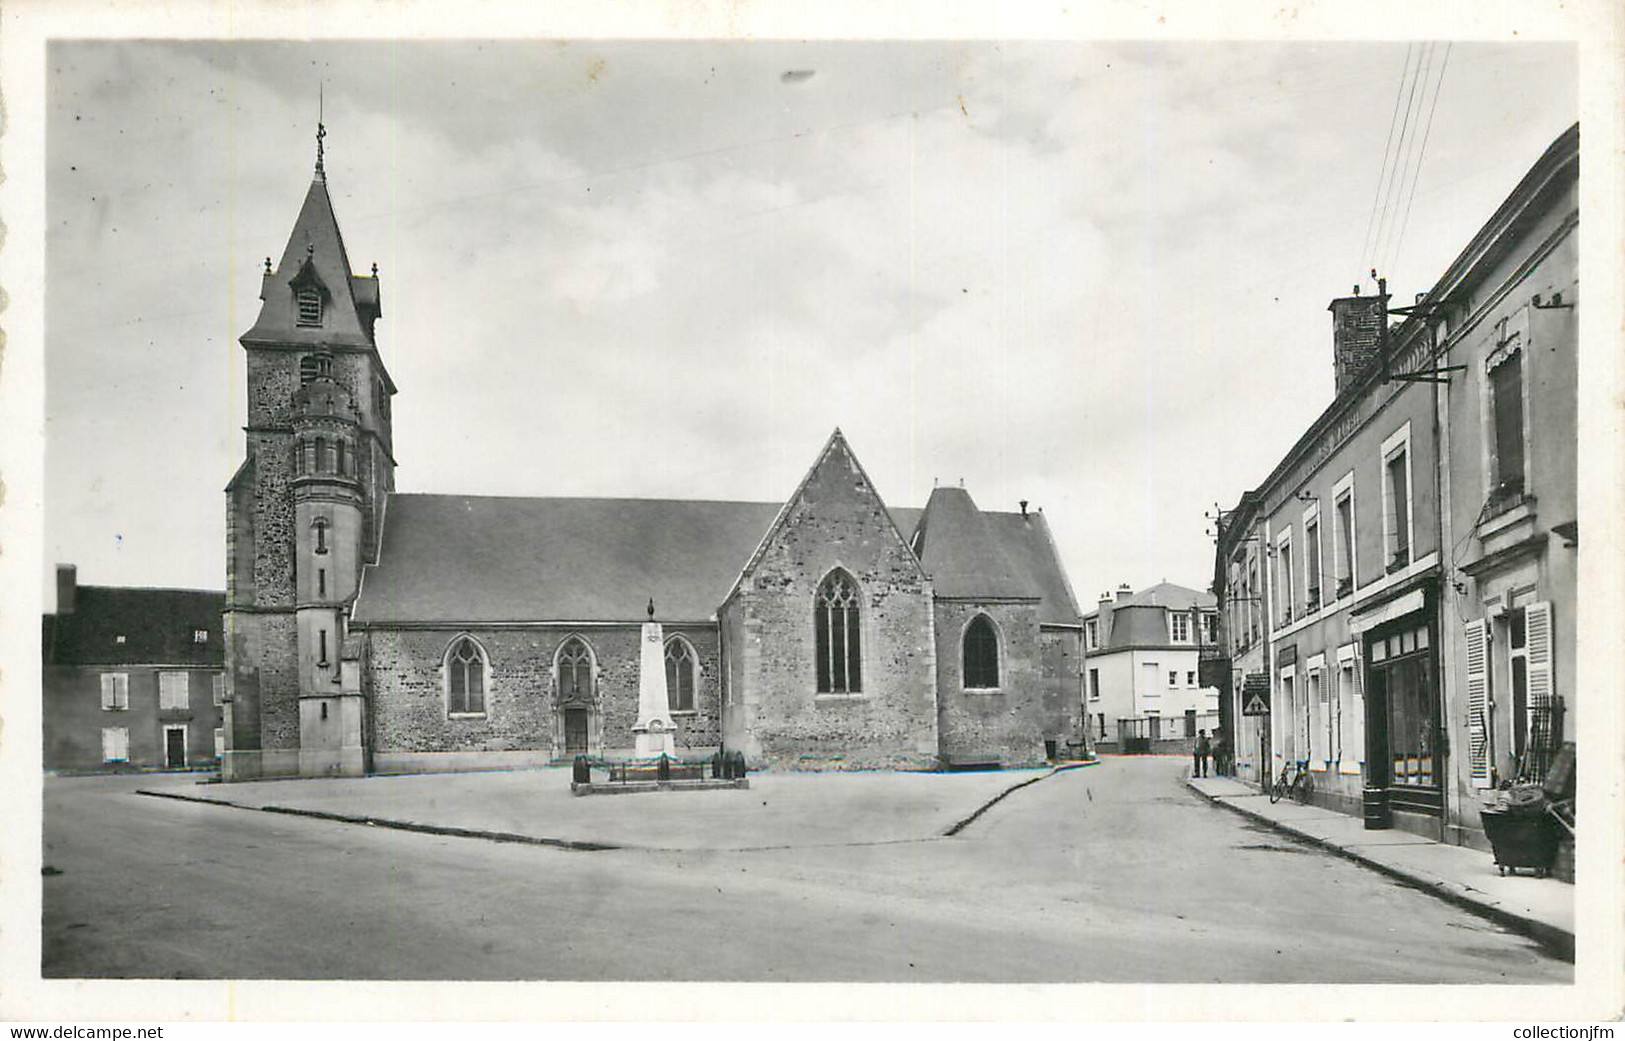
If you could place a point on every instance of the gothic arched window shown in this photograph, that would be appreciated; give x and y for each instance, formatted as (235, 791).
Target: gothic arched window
(465, 677)
(981, 653)
(839, 646)
(574, 671)
(680, 668)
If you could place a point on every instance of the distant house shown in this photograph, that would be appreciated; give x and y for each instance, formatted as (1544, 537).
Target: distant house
(1141, 665)
(133, 678)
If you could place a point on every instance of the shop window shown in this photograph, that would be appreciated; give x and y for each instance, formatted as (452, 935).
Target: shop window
(1404, 684)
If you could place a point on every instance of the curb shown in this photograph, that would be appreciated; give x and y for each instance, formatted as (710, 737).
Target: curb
(959, 826)
(386, 822)
(1557, 940)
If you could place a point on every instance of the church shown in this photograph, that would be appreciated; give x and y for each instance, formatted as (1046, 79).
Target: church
(372, 631)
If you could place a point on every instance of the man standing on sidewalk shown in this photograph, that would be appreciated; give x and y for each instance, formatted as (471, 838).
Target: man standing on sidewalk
(1203, 748)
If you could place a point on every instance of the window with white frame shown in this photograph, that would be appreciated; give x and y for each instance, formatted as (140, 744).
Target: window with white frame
(1348, 729)
(218, 682)
(1312, 556)
(172, 691)
(1094, 684)
(200, 636)
(1091, 634)
(1397, 496)
(1210, 627)
(1190, 677)
(1180, 624)
(1285, 586)
(1285, 709)
(115, 691)
(1505, 408)
(115, 745)
(1343, 536)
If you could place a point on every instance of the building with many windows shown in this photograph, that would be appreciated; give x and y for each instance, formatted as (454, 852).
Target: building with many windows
(377, 631)
(1402, 583)
(1142, 666)
(133, 678)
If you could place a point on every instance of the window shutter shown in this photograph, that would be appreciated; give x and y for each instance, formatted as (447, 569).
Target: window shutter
(108, 690)
(1478, 703)
(1538, 633)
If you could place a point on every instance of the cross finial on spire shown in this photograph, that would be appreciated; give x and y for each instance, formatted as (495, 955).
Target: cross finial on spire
(321, 127)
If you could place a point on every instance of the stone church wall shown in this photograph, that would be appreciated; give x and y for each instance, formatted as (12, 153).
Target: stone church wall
(262, 681)
(1009, 723)
(1062, 651)
(411, 729)
(836, 521)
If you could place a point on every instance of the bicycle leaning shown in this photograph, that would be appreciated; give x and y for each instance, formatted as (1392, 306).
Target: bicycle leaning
(1294, 778)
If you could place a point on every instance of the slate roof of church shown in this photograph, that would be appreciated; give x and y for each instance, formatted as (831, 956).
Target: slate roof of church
(157, 626)
(315, 238)
(961, 551)
(450, 559)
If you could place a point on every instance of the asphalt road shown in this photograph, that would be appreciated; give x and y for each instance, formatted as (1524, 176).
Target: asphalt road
(1113, 874)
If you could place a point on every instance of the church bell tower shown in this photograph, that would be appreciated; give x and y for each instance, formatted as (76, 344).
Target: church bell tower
(304, 509)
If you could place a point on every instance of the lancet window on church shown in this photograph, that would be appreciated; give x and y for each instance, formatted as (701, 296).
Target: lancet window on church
(839, 646)
(310, 307)
(465, 678)
(321, 535)
(981, 653)
(575, 671)
(680, 667)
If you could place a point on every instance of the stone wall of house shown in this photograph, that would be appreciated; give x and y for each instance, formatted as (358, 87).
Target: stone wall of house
(407, 692)
(836, 521)
(1009, 722)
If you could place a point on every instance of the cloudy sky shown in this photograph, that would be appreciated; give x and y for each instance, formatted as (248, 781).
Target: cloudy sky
(1089, 275)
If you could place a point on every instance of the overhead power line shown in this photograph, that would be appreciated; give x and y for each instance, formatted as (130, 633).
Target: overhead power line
(1420, 155)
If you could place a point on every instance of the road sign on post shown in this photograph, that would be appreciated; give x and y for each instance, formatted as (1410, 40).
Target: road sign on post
(1255, 695)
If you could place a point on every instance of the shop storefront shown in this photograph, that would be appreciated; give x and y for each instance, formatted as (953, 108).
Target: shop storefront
(1406, 748)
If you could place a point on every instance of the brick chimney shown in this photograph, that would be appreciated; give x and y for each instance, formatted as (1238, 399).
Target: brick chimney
(67, 588)
(1356, 334)
(1124, 591)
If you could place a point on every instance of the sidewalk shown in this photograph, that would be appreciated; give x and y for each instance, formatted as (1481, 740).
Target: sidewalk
(1541, 908)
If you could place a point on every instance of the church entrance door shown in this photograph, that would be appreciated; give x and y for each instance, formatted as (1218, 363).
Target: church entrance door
(575, 731)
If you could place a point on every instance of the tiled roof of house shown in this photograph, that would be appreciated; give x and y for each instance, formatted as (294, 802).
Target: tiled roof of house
(157, 626)
(1176, 598)
(455, 558)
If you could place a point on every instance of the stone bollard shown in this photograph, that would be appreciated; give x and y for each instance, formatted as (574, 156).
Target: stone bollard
(580, 773)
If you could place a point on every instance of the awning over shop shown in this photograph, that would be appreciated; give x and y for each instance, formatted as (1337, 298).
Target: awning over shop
(1386, 611)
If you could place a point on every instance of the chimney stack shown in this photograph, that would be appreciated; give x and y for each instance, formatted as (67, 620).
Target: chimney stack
(1357, 323)
(1124, 592)
(67, 588)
